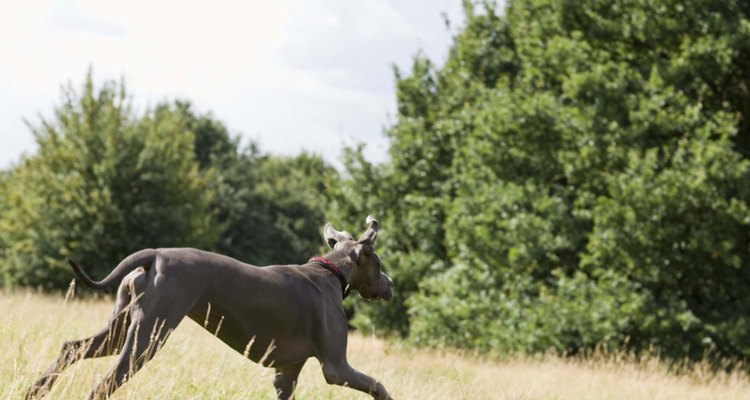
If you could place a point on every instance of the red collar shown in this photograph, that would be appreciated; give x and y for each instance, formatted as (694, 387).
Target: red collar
(325, 263)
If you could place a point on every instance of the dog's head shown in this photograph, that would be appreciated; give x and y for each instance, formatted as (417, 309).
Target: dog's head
(367, 276)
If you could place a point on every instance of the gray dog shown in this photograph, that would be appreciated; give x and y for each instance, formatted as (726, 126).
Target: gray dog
(278, 316)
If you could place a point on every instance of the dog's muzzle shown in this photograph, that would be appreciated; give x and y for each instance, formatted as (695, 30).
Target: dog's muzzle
(386, 292)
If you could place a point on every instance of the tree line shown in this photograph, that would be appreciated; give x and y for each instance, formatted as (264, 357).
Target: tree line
(575, 174)
(106, 181)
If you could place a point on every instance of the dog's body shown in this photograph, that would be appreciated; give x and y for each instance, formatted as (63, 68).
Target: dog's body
(277, 315)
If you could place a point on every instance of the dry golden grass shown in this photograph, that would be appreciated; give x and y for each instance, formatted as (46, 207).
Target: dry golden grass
(194, 365)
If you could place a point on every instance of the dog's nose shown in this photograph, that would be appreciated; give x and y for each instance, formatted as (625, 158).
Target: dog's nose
(388, 295)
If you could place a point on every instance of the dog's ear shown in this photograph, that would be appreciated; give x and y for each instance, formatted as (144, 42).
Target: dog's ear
(333, 236)
(371, 233)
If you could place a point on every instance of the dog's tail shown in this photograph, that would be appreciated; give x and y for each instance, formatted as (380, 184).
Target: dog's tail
(140, 258)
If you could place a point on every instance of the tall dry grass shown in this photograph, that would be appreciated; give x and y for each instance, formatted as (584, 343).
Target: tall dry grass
(194, 365)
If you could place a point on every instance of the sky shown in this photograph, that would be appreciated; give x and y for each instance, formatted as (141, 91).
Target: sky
(291, 75)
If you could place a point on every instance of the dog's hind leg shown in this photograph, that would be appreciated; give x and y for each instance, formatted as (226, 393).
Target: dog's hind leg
(146, 335)
(152, 319)
(106, 342)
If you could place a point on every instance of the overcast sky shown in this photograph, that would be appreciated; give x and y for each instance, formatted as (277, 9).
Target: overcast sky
(292, 75)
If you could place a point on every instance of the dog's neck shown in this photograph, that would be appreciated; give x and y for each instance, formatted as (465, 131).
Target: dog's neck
(343, 260)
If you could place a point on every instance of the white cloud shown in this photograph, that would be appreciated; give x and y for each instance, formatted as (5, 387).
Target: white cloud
(292, 74)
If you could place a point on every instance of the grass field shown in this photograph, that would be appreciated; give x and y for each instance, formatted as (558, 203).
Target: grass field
(194, 365)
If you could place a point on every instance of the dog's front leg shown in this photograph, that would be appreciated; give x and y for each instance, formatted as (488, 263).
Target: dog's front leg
(285, 380)
(342, 374)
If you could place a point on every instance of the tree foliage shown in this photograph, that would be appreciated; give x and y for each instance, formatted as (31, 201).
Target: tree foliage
(102, 184)
(575, 174)
(107, 181)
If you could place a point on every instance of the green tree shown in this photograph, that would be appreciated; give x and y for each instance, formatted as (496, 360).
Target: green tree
(575, 174)
(103, 183)
(269, 208)
(297, 192)
(106, 182)
(239, 210)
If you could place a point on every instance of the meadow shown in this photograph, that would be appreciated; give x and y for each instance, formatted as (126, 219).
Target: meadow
(194, 365)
